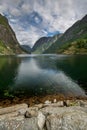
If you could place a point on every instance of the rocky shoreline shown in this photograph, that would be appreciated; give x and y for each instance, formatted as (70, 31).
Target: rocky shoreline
(50, 115)
(31, 101)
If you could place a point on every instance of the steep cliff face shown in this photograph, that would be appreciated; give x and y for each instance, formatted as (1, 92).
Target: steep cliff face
(8, 41)
(44, 43)
(71, 38)
(40, 42)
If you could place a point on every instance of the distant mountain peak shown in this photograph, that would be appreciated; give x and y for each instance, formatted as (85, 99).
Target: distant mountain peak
(78, 31)
(26, 48)
(44, 43)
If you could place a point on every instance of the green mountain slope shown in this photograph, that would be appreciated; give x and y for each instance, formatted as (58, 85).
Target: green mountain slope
(39, 46)
(70, 39)
(44, 43)
(8, 41)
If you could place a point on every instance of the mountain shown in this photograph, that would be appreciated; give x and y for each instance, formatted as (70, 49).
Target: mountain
(8, 41)
(44, 43)
(73, 41)
(26, 48)
(40, 42)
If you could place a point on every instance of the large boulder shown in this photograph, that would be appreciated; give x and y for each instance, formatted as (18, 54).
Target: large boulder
(44, 117)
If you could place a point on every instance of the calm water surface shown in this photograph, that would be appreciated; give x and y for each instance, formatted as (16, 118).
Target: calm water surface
(43, 74)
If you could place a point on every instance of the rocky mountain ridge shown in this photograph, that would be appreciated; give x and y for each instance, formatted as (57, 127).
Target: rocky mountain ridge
(44, 43)
(8, 41)
(75, 34)
(73, 41)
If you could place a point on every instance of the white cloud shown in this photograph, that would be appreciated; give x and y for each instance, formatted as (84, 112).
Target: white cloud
(15, 12)
(34, 19)
(28, 36)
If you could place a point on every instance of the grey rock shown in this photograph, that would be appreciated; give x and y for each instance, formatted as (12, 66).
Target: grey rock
(60, 104)
(41, 120)
(82, 103)
(8, 38)
(39, 106)
(22, 111)
(75, 120)
(47, 102)
(50, 117)
(12, 109)
(54, 100)
(30, 113)
(30, 124)
(27, 115)
(68, 102)
(21, 124)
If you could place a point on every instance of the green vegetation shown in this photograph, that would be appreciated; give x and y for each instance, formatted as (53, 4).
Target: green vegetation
(7, 94)
(76, 47)
(74, 39)
(42, 48)
(8, 41)
(81, 43)
(2, 47)
(43, 44)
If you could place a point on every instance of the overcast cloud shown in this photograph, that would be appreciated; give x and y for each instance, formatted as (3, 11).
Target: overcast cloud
(32, 19)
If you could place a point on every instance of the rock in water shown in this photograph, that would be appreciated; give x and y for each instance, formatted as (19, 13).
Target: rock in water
(41, 120)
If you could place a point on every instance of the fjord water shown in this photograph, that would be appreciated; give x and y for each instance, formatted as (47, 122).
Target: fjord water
(33, 75)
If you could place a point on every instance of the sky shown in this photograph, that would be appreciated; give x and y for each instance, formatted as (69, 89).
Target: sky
(32, 19)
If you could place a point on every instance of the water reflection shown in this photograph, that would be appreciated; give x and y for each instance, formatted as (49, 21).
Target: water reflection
(37, 75)
(40, 75)
(8, 71)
